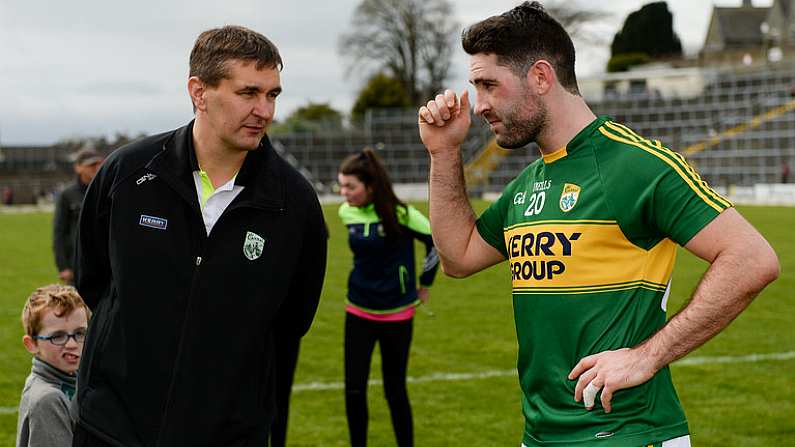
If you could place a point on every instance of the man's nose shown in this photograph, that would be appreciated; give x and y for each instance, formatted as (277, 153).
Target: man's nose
(481, 106)
(264, 109)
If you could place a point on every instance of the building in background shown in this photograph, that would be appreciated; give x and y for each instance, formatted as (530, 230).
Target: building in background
(749, 36)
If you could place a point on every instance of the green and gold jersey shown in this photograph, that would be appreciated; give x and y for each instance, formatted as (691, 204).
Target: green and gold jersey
(590, 233)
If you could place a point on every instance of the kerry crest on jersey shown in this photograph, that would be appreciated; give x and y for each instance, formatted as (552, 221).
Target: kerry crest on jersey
(252, 247)
(568, 198)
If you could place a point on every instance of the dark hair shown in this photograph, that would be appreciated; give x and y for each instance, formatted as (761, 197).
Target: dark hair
(213, 48)
(368, 168)
(522, 36)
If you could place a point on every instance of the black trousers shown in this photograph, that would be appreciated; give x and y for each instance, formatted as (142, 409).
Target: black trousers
(394, 339)
(286, 359)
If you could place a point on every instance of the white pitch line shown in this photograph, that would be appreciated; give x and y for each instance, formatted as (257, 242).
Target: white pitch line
(435, 377)
(752, 358)
(453, 377)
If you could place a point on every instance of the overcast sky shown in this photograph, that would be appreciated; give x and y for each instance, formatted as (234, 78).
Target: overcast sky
(95, 67)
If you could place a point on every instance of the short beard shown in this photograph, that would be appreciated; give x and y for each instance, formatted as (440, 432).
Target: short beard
(521, 131)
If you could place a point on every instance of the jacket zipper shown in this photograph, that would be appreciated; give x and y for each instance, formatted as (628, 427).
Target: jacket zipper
(197, 261)
(194, 285)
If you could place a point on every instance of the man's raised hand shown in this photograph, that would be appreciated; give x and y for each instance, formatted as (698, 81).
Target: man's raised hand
(444, 122)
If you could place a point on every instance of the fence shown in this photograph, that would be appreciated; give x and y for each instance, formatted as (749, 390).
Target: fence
(757, 155)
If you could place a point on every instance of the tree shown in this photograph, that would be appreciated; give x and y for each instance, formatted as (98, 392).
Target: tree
(313, 117)
(575, 18)
(647, 31)
(624, 61)
(381, 91)
(411, 40)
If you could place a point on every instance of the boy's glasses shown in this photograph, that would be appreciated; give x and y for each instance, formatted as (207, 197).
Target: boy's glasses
(61, 338)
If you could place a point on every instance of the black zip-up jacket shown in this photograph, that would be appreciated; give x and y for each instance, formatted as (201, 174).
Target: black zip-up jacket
(64, 224)
(180, 351)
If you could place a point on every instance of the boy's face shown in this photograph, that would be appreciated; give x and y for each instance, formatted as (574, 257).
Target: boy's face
(66, 357)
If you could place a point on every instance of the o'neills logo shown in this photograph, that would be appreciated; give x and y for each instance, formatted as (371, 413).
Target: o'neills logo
(530, 254)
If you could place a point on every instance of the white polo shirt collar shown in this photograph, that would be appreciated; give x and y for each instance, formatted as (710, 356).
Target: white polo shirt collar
(214, 201)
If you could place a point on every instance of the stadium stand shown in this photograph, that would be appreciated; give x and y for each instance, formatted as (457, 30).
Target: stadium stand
(757, 152)
(34, 172)
(750, 111)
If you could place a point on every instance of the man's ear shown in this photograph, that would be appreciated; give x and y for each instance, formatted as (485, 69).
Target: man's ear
(541, 77)
(196, 89)
(30, 344)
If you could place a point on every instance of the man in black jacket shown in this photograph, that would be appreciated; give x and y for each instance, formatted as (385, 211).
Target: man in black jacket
(200, 251)
(67, 211)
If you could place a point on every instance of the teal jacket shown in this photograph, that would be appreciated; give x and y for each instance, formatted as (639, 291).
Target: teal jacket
(384, 278)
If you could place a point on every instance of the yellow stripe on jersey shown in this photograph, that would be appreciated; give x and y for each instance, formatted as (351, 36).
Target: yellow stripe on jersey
(605, 286)
(583, 290)
(681, 160)
(677, 157)
(704, 183)
(555, 156)
(584, 256)
(562, 222)
(667, 160)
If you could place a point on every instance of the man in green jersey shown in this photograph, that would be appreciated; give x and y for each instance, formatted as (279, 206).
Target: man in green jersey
(590, 233)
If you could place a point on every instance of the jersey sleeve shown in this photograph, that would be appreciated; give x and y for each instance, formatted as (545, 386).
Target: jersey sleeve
(659, 195)
(491, 223)
(420, 229)
(343, 212)
(684, 204)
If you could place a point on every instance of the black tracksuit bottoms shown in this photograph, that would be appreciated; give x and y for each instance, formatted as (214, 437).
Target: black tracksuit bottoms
(286, 359)
(394, 339)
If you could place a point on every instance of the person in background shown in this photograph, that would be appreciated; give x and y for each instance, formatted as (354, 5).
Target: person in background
(382, 290)
(8, 196)
(67, 212)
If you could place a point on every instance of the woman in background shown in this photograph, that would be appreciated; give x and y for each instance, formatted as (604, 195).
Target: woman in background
(382, 290)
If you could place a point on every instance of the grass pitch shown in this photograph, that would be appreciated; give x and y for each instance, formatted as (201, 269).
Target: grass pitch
(463, 354)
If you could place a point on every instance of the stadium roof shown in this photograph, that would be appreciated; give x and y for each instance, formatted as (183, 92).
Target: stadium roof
(741, 26)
